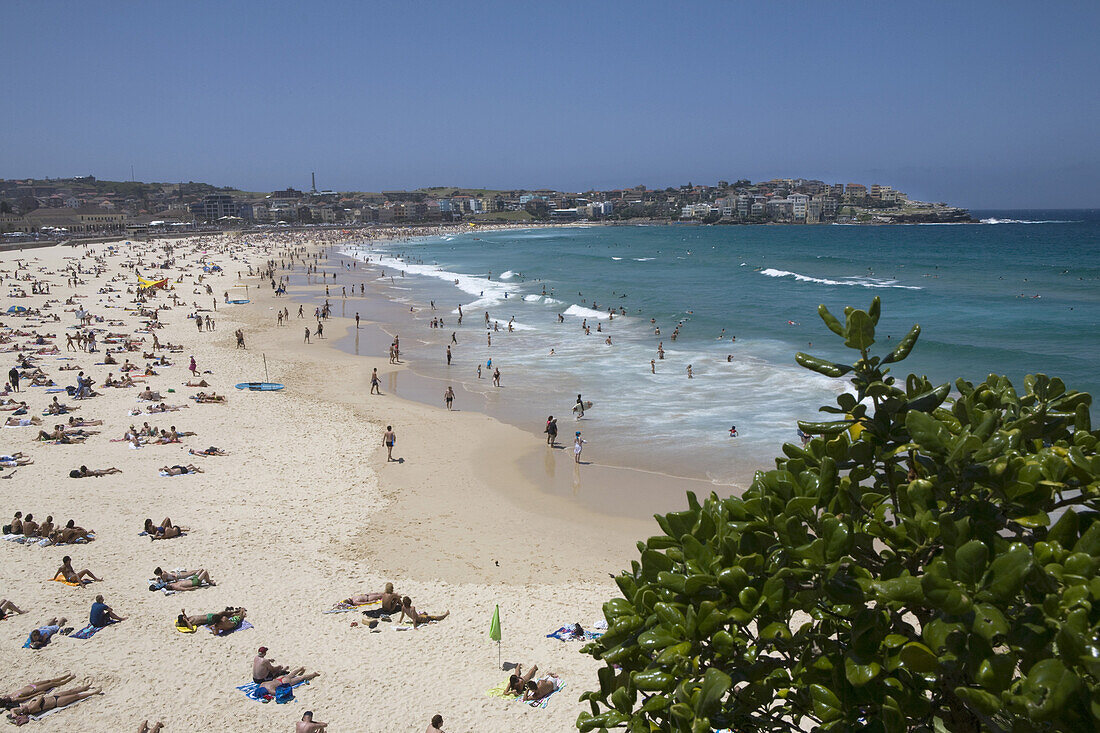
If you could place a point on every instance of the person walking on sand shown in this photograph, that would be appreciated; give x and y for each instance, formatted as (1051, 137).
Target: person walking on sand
(193, 366)
(578, 446)
(551, 431)
(357, 321)
(388, 439)
(307, 335)
(13, 377)
(449, 396)
(375, 382)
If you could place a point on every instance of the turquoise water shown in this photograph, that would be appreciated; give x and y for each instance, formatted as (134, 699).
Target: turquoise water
(971, 287)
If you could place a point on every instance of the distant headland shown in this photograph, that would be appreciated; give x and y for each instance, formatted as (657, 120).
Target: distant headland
(85, 205)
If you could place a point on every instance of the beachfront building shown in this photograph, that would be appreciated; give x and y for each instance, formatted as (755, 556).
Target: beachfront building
(798, 206)
(855, 193)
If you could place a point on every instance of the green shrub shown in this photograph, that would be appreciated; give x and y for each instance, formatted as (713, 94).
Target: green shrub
(924, 563)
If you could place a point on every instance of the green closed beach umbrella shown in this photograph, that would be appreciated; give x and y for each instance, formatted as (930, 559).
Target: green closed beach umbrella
(494, 631)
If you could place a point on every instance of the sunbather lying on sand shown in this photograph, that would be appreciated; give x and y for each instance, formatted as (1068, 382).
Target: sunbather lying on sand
(200, 383)
(66, 571)
(363, 598)
(537, 690)
(162, 407)
(178, 470)
(6, 609)
(32, 690)
(68, 534)
(85, 472)
(194, 582)
(168, 576)
(23, 422)
(79, 422)
(37, 706)
(227, 620)
(418, 617)
(289, 680)
(164, 531)
(211, 451)
(517, 682)
(41, 636)
(209, 398)
(15, 459)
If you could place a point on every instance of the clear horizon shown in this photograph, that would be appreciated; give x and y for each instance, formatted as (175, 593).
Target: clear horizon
(981, 105)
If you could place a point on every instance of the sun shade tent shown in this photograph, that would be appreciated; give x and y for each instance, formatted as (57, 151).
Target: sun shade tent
(144, 284)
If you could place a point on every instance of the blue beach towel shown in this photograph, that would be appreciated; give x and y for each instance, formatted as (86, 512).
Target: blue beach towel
(565, 633)
(87, 632)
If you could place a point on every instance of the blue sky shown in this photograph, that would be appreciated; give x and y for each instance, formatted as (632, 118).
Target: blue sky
(984, 104)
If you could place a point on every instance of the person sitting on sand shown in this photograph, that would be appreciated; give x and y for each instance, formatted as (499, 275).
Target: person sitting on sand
(103, 615)
(85, 472)
(361, 599)
(148, 395)
(436, 726)
(537, 690)
(164, 531)
(391, 602)
(231, 620)
(146, 729)
(517, 682)
(7, 608)
(288, 681)
(58, 435)
(41, 636)
(192, 582)
(69, 575)
(418, 617)
(264, 669)
(178, 470)
(211, 451)
(33, 690)
(22, 714)
(46, 528)
(308, 725)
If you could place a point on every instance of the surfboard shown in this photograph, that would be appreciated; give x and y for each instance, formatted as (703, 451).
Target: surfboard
(260, 386)
(238, 302)
(587, 405)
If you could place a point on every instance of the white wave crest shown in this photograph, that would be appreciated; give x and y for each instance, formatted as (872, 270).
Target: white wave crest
(866, 282)
(1026, 221)
(579, 311)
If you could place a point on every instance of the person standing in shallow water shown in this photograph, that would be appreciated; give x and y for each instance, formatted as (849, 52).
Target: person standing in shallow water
(449, 396)
(578, 446)
(551, 431)
(388, 439)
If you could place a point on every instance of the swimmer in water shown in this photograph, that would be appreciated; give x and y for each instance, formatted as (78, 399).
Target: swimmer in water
(733, 431)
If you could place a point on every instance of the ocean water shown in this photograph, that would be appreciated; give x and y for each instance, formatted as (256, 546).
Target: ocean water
(1017, 294)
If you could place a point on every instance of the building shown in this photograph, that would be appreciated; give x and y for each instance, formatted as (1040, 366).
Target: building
(855, 193)
(799, 202)
(215, 206)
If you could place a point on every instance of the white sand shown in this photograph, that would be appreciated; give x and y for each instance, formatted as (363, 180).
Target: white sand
(303, 513)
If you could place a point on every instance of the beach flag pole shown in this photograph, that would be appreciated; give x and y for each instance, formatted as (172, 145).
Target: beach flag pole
(494, 631)
(266, 378)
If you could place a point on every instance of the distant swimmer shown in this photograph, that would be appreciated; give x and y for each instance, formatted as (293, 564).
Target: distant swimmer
(652, 366)
(733, 431)
(690, 375)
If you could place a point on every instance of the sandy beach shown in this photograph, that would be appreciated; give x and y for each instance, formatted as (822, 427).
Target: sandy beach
(303, 512)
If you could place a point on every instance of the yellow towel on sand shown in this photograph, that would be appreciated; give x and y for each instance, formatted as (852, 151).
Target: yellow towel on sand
(185, 629)
(59, 579)
(501, 690)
